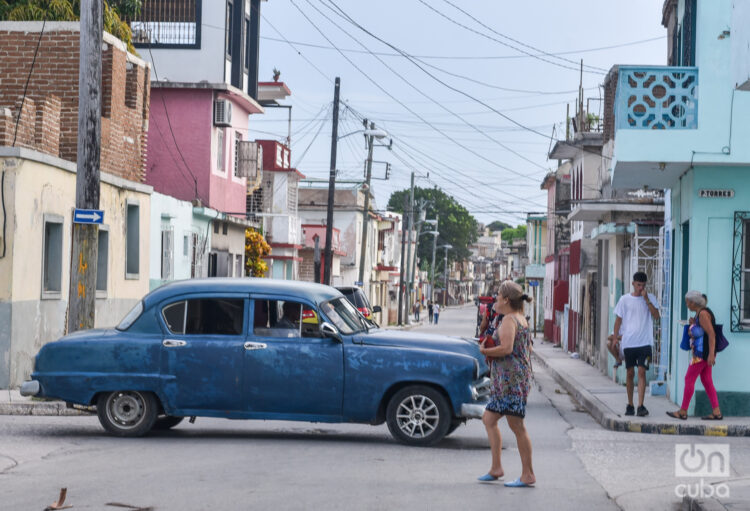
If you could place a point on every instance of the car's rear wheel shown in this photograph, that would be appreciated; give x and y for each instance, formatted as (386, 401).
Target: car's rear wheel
(127, 412)
(418, 415)
(167, 422)
(455, 423)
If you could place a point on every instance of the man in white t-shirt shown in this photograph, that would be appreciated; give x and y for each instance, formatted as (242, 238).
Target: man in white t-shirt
(436, 312)
(634, 321)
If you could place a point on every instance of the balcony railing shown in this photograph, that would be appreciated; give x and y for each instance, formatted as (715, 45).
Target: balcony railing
(657, 97)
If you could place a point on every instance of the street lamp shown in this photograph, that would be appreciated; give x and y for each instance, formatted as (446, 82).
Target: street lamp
(371, 133)
(447, 247)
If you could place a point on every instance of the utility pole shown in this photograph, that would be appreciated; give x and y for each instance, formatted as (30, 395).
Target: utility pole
(417, 234)
(331, 185)
(401, 266)
(408, 250)
(432, 266)
(316, 258)
(366, 213)
(445, 267)
(82, 292)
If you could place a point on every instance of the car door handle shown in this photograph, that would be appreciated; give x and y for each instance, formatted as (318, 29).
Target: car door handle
(255, 346)
(173, 343)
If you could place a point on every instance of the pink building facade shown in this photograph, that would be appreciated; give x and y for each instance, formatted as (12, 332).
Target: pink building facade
(193, 139)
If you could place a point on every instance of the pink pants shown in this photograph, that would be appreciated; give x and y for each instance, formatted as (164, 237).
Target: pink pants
(702, 369)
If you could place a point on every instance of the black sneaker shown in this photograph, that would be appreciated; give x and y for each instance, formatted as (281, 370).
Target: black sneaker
(642, 412)
(630, 410)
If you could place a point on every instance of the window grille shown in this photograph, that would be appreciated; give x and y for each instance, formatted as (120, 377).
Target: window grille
(167, 24)
(740, 308)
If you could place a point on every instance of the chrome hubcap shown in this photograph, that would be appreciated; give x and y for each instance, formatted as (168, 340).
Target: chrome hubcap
(125, 409)
(417, 416)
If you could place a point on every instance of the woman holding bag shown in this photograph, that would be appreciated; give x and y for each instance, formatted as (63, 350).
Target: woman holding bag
(511, 382)
(702, 359)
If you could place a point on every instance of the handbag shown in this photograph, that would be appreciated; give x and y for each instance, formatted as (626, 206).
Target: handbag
(721, 340)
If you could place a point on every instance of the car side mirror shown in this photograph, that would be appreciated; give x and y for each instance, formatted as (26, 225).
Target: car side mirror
(377, 308)
(330, 331)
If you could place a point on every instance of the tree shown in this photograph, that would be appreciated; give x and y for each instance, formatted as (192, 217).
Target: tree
(511, 234)
(256, 248)
(70, 10)
(497, 225)
(456, 225)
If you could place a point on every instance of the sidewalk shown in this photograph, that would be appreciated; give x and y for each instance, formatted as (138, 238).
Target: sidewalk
(13, 403)
(605, 400)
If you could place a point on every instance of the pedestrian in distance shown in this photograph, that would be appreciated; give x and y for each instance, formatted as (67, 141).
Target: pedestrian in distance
(701, 360)
(436, 312)
(510, 373)
(429, 311)
(417, 307)
(634, 320)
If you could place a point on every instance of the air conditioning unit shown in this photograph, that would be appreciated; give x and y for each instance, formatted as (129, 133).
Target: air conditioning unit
(222, 112)
(249, 160)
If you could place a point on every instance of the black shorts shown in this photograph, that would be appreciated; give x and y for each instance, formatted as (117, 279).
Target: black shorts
(640, 356)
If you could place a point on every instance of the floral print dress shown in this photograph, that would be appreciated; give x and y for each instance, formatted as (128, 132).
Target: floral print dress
(511, 377)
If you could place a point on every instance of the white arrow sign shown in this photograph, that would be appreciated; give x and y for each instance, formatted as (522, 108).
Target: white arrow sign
(88, 216)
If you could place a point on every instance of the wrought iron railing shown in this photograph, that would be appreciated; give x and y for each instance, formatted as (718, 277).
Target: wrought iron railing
(168, 24)
(657, 97)
(740, 297)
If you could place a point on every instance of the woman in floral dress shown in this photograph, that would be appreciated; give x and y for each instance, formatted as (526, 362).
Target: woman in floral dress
(511, 382)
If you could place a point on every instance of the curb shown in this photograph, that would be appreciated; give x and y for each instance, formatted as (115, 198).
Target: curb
(48, 408)
(696, 504)
(597, 410)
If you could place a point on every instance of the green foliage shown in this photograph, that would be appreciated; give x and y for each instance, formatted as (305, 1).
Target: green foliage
(69, 10)
(510, 234)
(497, 225)
(456, 225)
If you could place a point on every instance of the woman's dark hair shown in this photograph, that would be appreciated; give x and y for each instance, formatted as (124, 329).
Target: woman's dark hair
(514, 294)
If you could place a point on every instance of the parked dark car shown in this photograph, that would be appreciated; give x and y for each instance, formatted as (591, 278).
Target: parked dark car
(262, 349)
(358, 298)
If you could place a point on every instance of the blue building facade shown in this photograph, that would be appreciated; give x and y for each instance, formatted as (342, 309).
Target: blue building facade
(684, 128)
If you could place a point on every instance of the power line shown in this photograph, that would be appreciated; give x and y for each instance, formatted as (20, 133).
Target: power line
(492, 162)
(516, 40)
(466, 57)
(296, 49)
(433, 100)
(466, 27)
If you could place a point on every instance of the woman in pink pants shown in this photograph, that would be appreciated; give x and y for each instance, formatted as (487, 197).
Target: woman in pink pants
(701, 364)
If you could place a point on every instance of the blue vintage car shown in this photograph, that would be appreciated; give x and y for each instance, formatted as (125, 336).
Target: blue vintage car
(262, 349)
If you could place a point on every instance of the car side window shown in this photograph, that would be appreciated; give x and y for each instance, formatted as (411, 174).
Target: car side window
(284, 318)
(206, 316)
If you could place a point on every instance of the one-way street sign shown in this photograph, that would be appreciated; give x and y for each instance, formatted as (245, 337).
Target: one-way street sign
(88, 216)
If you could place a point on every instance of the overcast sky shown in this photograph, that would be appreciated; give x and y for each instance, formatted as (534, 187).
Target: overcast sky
(465, 131)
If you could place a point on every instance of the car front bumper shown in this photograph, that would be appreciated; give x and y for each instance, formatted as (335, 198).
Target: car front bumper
(480, 393)
(30, 388)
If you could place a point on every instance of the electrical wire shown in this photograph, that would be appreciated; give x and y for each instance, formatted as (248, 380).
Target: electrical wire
(322, 33)
(296, 49)
(439, 104)
(520, 50)
(516, 40)
(465, 57)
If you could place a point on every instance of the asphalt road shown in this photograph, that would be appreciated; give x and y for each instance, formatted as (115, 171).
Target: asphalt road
(222, 464)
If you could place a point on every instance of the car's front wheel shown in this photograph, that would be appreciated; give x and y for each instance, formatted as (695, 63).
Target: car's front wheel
(418, 415)
(127, 412)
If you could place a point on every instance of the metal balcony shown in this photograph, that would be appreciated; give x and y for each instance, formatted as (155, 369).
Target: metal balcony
(657, 97)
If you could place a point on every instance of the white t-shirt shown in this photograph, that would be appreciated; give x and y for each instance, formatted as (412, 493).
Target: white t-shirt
(637, 323)
(436, 309)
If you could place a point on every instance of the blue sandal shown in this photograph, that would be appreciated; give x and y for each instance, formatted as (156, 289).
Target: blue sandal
(518, 484)
(487, 478)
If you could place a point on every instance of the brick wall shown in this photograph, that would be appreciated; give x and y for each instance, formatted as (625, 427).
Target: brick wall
(51, 104)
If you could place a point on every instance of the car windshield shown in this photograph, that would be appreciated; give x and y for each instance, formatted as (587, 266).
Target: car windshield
(343, 314)
(131, 316)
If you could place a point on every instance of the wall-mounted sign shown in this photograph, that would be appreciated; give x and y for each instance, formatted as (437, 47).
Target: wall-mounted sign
(710, 193)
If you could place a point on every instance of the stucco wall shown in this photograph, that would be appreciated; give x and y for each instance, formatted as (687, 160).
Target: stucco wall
(189, 112)
(41, 185)
(709, 267)
(194, 65)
